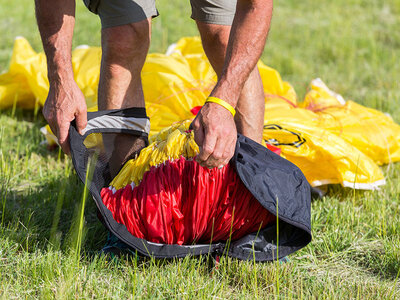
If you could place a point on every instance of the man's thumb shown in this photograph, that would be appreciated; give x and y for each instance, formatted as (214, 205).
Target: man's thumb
(81, 122)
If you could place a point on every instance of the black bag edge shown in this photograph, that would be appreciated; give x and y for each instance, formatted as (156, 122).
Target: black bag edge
(155, 250)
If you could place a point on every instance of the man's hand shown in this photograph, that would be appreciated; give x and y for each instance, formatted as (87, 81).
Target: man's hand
(215, 133)
(64, 103)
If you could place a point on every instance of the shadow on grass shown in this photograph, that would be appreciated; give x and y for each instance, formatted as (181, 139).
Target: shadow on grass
(21, 132)
(358, 213)
(45, 216)
(376, 261)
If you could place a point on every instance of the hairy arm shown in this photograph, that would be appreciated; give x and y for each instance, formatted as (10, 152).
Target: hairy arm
(65, 101)
(246, 44)
(214, 126)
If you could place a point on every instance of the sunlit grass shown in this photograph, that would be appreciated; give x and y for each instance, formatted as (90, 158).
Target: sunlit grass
(352, 45)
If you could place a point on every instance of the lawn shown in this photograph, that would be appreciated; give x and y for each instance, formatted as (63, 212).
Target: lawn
(352, 45)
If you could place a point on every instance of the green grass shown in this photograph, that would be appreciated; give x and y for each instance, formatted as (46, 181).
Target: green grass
(352, 45)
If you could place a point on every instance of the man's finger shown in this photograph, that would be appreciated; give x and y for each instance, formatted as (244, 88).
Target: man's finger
(53, 128)
(229, 151)
(208, 147)
(63, 138)
(198, 131)
(225, 162)
(81, 121)
(218, 156)
(231, 147)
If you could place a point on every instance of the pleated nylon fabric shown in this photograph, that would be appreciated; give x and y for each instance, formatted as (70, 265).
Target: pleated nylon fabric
(180, 202)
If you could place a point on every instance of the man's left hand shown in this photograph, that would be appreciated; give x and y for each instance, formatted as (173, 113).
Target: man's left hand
(215, 134)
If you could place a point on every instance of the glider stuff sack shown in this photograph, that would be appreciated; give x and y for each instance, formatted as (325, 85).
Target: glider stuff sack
(157, 199)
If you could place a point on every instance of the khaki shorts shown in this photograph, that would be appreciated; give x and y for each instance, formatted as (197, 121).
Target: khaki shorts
(121, 12)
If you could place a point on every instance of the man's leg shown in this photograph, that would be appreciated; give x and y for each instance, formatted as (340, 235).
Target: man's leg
(124, 52)
(120, 86)
(250, 108)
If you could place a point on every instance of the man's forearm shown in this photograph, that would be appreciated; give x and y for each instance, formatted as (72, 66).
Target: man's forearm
(56, 20)
(246, 43)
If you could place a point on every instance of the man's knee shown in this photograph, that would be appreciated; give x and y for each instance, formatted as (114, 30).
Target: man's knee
(126, 42)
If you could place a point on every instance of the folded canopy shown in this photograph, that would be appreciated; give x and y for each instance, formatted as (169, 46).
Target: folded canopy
(162, 203)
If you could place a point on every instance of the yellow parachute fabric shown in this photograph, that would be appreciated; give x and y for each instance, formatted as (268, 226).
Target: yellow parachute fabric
(26, 84)
(332, 140)
(169, 144)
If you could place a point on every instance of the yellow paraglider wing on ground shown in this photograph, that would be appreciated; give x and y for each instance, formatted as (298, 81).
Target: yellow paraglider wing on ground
(332, 140)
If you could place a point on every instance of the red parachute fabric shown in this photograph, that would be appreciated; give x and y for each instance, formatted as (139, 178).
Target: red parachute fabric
(274, 149)
(180, 202)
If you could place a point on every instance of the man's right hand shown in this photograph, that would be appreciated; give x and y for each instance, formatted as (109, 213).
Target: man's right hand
(65, 102)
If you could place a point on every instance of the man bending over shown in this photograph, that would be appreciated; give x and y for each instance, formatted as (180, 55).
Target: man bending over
(233, 36)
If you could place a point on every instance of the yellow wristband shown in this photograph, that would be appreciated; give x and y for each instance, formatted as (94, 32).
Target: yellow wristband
(222, 103)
